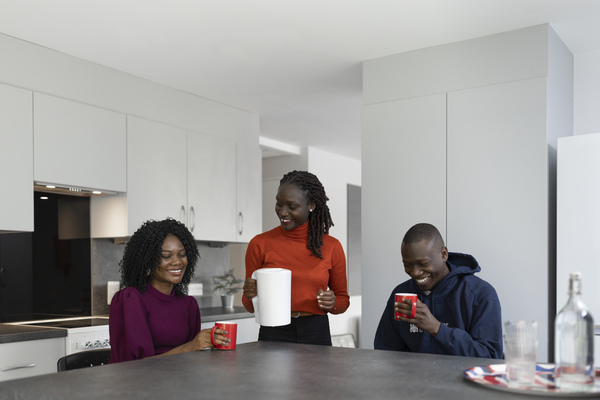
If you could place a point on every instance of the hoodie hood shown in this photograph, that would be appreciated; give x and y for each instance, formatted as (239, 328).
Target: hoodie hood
(459, 265)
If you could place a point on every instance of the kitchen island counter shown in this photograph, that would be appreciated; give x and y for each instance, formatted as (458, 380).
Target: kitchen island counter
(267, 370)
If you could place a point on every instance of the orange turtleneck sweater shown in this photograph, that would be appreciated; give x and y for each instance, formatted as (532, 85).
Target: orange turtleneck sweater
(279, 248)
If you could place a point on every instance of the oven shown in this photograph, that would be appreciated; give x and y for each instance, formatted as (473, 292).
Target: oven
(83, 333)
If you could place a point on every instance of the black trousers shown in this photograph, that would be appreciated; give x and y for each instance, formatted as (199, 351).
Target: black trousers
(313, 329)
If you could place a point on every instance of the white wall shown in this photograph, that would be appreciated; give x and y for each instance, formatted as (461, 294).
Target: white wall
(335, 173)
(273, 169)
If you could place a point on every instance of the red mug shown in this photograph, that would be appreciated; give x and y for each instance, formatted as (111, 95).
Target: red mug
(399, 298)
(231, 328)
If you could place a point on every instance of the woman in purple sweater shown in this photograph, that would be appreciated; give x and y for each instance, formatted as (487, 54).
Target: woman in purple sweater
(152, 315)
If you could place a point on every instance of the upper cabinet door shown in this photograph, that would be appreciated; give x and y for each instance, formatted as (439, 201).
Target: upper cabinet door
(211, 188)
(79, 145)
(156, 172)
(16, 159)
(249, 192)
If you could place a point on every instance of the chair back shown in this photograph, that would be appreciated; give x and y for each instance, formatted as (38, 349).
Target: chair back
(83, 359)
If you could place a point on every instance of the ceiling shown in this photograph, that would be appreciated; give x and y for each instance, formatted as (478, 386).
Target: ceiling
(295, 63)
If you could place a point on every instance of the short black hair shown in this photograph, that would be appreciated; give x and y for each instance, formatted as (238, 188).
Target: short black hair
(143, 253)
(319, 220)
(422, 231)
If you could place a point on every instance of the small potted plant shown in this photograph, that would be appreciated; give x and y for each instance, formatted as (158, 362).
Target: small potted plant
(228, 285)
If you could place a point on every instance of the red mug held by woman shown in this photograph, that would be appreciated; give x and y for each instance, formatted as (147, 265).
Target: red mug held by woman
(231, 328)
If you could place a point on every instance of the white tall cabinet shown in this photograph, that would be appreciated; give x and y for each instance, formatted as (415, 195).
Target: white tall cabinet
(16, 159)
(498, 187)
(463, 136)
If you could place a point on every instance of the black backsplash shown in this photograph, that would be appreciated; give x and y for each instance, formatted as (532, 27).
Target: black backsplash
(45, 272)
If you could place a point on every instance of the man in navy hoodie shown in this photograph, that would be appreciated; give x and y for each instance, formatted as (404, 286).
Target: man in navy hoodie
(457, 312)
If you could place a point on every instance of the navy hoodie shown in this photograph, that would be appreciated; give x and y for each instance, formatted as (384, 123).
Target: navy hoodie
(466, 306)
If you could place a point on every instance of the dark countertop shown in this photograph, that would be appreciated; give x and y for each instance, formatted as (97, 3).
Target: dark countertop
(213, 314)
(268, 370)
(19, 333)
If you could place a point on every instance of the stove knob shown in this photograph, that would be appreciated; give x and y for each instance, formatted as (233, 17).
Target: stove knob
(97, 343)
(88, 345)
(106, 343)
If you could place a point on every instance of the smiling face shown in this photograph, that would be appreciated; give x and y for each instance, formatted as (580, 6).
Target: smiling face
(292, 206)
(425, 262)
(173, 263)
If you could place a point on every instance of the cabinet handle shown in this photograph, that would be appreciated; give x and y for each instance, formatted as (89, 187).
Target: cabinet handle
(13, 367)
(182, 215)
(241, 219)
(192, 218)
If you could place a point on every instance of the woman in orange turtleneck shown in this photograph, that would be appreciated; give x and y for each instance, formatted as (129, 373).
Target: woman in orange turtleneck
(317, 261)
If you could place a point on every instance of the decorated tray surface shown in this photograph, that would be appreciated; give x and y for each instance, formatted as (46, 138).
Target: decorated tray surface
(494, 377)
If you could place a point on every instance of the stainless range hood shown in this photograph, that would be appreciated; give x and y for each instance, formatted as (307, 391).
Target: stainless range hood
(69, 190)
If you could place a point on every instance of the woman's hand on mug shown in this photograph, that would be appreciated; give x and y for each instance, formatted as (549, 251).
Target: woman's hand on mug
(218, 337)
(250, 288)
(203, 340)
(326, 299)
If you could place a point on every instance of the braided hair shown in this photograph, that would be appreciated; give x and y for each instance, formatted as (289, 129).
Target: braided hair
(319, 220)
(143, 254)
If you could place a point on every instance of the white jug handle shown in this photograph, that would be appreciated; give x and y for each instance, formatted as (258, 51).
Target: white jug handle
(255, 302)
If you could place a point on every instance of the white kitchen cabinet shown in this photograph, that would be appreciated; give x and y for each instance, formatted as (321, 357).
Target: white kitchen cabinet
(224, 189)
(78, 145)
(30, 358)
(156, 172)
(249, 192)
(473, 162)
(16, 159)
(211, 187)
(189, 176)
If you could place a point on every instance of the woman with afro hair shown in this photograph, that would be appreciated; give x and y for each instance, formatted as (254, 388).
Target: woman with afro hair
(301, 243)
(152, 315)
